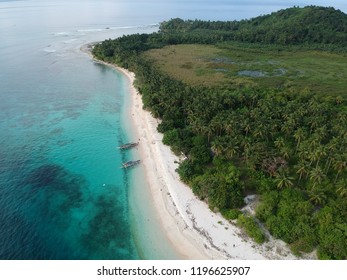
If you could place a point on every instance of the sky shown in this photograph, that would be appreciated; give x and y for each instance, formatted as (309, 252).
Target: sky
(153, 11)
(286, 3)
(243, 9)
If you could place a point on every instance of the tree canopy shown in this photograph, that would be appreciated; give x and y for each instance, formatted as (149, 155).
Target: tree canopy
(312, 24)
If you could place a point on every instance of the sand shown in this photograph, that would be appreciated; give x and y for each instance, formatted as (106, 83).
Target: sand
(194, 230)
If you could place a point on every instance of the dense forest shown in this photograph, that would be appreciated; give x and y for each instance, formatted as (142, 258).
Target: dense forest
(308, 25)
(290, 148)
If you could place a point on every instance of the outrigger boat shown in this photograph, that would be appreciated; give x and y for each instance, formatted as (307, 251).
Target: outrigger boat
(128, 145)
(130, 163)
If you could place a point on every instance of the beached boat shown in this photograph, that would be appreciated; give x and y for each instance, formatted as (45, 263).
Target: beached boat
(128, 145)
(130, 163)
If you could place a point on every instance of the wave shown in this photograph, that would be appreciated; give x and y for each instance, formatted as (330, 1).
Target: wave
(136, 26)
(118, 28)
(90, 30)
(61, 33)
(49, 50)
(69, 41)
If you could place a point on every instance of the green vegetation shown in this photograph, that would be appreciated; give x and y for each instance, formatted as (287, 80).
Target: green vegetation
(224, 64)
(251, 227)
(309, 25)
(231, 214)
(282, 137)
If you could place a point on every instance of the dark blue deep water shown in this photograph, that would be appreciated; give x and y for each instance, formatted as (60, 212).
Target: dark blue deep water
(62, 193)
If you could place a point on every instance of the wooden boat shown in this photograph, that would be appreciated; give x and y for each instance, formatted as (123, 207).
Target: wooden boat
(130, 163)
(128, 145)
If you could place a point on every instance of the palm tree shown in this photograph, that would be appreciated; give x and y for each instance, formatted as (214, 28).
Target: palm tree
(312, 155)
(320, 152)
(229, 127)
(331, 149)
(279, 142)
(321, 133)
(246, 142)
(313, 141)
(283, 180)
(217, 125)
(231, 150)
(258, 131)
(339, 165)
(317, 197)
(245, 125)
(217, 147)
(317, 175)
(246, 152)
(299, 136)
(195, 123)
(302, 169)
(303, 151)
(285, 152)
(342, 188)
(287, 127)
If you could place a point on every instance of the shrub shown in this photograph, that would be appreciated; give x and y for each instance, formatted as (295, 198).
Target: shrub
(231, 214)
(251, 228)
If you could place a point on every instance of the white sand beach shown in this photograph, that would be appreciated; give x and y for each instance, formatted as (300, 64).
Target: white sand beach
(194, 230)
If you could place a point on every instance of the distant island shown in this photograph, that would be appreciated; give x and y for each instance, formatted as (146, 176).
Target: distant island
(257, 110)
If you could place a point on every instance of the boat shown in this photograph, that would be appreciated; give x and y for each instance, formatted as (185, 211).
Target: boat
(128, 145)
(130, 163)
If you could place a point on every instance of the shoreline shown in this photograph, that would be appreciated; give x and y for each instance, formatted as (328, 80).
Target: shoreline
(194, 230)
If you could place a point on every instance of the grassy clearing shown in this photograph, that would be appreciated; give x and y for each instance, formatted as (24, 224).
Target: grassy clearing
(320, 72)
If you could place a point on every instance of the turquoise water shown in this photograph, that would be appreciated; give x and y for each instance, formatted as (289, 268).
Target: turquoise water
(63, 194)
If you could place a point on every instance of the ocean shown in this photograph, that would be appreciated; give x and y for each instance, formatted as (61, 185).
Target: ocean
(63, 194)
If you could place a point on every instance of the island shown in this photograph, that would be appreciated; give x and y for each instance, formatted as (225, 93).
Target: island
(245, 129)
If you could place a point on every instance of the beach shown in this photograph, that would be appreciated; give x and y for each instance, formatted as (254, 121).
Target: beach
(195, 231)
